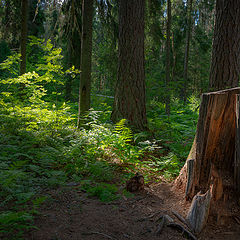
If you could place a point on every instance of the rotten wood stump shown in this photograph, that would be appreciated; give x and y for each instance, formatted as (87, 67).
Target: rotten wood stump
(199, 211)
(213, 163)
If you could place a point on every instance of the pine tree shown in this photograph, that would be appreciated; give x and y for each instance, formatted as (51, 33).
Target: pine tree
(129, 101)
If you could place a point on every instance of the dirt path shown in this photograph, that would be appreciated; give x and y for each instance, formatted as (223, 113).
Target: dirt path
(71, 215)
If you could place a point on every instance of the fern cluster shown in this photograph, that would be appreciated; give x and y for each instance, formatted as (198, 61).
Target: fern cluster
(41, 148)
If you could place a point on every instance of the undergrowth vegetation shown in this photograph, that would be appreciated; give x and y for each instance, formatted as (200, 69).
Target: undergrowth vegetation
(40, 147)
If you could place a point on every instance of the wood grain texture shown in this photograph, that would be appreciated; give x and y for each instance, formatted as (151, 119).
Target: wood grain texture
(198, 213)
(213, 163)
(237, 146)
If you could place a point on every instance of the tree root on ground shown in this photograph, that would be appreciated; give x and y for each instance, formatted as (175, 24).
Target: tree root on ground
(182, 229)
(99, 233)
(165, 220)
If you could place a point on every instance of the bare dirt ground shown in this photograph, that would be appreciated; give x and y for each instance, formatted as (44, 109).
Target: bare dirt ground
(72, 215)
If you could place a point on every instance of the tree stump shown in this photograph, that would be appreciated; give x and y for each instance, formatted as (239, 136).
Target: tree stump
(199, 211)
(237, 146)
(214, 160)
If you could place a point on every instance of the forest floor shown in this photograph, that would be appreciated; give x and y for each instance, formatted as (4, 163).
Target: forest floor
(70, 214)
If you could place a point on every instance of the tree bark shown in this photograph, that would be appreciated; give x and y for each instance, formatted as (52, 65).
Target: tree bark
(168, 62)
(129, 100)
(213, 160)
(174, 59)
(74, 26)
(6, 21)
(86, 57)
(187, 45)
(53, 22)
(225, 71)
(237, 146)
(23, 40)
(198, 213)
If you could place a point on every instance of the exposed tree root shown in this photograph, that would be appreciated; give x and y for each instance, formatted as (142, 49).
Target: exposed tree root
(102, 234)
(166, 220)
(182, 229)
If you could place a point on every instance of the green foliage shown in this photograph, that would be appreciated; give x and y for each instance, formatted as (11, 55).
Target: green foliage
(178, 131)
(11, 65)
(15, 221)
(27, 164)
(4, 50)
(124, 132)
(169, 165)
(25, 97)
(105, 192)
(41, 148)
(127, 194)
(32, 136)
(194, 103)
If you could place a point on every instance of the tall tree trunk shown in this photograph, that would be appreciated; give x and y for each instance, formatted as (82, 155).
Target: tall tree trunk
(54, 22)
(74, 43)
(129, 101)
(174, 59)
(74, 59)
(86, 57)
(23, 40)
(187, 44)
(226, 45)
(68, 83)
(6, 21)
(168, 62)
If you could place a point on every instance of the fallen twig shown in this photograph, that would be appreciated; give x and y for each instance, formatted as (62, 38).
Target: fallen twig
(161, 225)
(149, 217)
(137, 199)
(99, 233)
(237, 219)
(182, 229)
(168, 219)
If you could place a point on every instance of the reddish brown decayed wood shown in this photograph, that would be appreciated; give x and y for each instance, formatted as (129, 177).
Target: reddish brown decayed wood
(214, 142)
(213, 164)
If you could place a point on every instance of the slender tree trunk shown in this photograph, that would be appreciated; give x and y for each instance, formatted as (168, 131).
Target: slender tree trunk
(6, 21)
(54, 19)
(168, 62)
(129, 101)
(74, 59)
(74, 44)
(174, 59)
(23, 41)
(187, 44)
(86, 57)
(225, 70)
(68, 83)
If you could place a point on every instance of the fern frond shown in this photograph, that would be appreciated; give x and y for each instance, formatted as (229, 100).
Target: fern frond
(125, 132)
